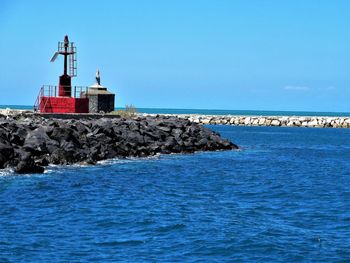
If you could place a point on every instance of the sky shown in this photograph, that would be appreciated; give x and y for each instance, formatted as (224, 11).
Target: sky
(192, 54)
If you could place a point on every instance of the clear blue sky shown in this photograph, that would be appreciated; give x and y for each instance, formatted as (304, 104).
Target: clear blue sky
(218, 54)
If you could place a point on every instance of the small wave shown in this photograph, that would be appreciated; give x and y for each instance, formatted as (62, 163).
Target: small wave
(130, 242)
(127, 160)
(59, 168)
(112, 161)
(171, 227)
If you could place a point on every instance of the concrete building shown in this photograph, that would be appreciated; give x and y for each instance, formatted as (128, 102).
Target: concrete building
(100, 99)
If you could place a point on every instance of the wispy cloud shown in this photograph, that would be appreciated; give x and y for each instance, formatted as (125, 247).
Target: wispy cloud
(297, 88)
(306, 88)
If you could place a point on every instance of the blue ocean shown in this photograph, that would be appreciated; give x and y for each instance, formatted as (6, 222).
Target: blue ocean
(284, 197)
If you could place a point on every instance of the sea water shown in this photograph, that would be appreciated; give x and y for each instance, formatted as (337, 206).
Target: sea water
(284, 197)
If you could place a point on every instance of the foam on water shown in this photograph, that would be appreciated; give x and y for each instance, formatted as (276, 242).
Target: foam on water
(5, 172)
(53, 168)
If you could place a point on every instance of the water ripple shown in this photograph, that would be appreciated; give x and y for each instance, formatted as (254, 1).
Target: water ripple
(283, 198)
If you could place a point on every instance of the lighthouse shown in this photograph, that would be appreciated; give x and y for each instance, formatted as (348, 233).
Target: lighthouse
(65, 98)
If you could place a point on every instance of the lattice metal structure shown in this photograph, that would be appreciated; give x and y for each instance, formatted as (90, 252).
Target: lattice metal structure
(69, 51)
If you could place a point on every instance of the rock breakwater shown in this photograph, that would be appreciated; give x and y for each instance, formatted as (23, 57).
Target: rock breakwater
(28, 143)
(289, 121)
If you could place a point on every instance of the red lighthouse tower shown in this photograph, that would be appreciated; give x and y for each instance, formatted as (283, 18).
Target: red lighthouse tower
(65, 99)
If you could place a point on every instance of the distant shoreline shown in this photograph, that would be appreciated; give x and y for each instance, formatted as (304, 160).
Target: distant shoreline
(215, 112)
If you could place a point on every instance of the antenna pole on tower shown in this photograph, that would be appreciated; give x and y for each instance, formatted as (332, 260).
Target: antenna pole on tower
(65, 54)
(66, 49)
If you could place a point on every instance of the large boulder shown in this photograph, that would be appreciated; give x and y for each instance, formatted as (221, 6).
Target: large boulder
(6, 154)
(19, 135)
(28, 167)
(64, 133)
(38, 142)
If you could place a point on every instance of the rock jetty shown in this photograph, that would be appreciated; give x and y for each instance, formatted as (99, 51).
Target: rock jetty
(290, 121)
(28, 143)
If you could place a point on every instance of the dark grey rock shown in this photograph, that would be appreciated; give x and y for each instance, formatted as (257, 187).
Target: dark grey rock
(6, 154)
(28, 166)
(30, 143)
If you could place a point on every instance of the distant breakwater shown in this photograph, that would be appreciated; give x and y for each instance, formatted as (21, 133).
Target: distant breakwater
(286, 121)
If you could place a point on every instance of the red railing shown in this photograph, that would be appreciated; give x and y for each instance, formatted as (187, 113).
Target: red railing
(47, 91)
